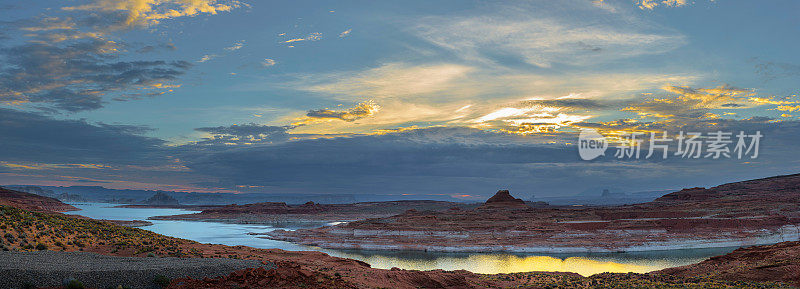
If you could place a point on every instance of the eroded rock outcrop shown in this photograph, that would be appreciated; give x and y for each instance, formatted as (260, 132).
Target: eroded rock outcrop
(503, 197)
(161, 199)
(33, 202)
(778, 262)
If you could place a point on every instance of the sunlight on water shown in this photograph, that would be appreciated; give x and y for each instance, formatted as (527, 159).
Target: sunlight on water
(487, 263)
(491, 263)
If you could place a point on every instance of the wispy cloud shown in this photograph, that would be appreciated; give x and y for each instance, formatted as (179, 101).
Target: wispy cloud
(392, 80)
(268, 62)
(207, 57)
(236, 46)
(314, 36)
(245, 134)
(651, 4)
(51, 23)
(542, 40)
(688, 102)
(438, 94)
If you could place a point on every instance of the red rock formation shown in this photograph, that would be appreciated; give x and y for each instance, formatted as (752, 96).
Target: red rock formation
(503, 197)
(749, 212)
(32, 202)
(779, 262)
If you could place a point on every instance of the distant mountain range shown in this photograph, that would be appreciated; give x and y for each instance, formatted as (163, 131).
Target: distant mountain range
(99, 194)
(105, 195)
(127, 196)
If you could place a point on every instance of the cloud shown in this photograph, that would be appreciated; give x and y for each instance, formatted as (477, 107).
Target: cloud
(134, 13)
(690, 109)
(391, 80)
(245, 134)
(42, 166)
(314, 36)
(447, 82)
(432, 94)
(457, 159)
(30, 137)
(650, 4)
(51, 29)
(568, 103)
(433, 157)
(428, 160)
(77, 77)
(772, 100)
(69, 65)
(692, 103)
(161, 46)
(362, 110)
(268, 62)
(537, 115)
(207, 57)
(770, 70)
(544, 39)
(236, 46)
(51, 23)
(788, 108)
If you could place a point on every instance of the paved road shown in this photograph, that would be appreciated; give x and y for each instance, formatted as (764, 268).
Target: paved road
(50, 268)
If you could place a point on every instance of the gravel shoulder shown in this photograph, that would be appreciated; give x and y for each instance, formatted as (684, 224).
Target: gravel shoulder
(50, 268)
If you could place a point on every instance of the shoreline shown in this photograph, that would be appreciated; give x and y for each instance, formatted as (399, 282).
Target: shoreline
(649, 247)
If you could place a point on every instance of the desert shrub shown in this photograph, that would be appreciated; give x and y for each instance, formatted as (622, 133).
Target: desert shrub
(161, 280)
(74, 284)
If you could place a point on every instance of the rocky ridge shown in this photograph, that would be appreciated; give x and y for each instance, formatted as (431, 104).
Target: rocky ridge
(762, 211)
(33, 202)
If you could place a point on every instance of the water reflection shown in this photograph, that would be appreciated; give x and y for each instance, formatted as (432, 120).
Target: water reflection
(488, 263)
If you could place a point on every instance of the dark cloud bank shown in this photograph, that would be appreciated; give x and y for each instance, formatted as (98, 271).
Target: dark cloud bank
(424, 161)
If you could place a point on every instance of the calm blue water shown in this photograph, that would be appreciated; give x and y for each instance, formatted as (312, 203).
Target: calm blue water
(235, 234)
(204, 232)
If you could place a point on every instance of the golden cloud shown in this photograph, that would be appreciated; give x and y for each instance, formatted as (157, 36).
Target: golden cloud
(45, 166)
(362, 110)
(688, 102)
(150, 12)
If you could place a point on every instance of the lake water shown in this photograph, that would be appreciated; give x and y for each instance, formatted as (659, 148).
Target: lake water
(235, 234)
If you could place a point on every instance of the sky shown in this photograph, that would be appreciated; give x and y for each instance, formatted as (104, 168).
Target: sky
(457, 98)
